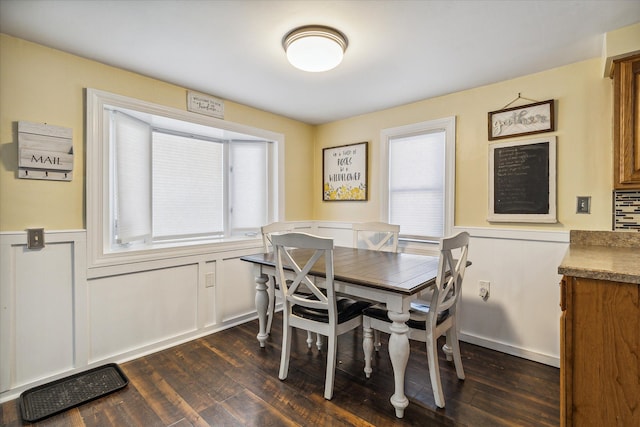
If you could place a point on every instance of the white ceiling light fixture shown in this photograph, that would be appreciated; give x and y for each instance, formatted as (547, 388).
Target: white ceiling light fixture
(315, 48)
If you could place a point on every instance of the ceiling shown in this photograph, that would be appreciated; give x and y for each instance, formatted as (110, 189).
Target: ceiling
(399, 51)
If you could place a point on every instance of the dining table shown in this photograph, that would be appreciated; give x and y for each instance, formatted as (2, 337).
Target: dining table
(391, 278)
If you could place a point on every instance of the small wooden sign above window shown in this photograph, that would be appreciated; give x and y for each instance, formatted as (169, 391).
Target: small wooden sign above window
(45, 152)
(205, 104)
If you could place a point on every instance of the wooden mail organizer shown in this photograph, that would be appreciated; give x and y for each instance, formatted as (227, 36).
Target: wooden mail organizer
(45, 152)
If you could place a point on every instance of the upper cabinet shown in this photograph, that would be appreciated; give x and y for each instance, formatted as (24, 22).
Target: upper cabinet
(626, 127)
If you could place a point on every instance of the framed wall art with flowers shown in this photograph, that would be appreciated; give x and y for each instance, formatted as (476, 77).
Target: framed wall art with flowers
(345, 173)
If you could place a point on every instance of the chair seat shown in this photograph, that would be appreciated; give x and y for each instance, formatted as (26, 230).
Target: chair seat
(347, 309)
(416, 316)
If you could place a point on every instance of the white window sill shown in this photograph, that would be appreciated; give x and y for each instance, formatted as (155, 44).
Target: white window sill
(127, 259)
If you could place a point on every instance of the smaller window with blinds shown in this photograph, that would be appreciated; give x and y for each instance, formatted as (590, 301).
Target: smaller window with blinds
(171, 178)
(418, 173)
(416, 184)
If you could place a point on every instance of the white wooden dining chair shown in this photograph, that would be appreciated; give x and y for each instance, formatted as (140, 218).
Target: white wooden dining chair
(321, 312)
(377, 236)
(432, 319)
(267, 231)
(274, 290)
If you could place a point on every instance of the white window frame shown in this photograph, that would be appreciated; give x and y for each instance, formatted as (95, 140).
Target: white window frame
(99, 250)
(448, 125)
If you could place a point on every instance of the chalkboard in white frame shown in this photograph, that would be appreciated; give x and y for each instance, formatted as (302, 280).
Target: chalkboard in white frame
(522, 181)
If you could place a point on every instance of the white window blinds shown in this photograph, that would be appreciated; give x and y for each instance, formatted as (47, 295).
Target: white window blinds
(417, 184)
(188, 187)
(176, 186)
(249, 185)
(132, 173)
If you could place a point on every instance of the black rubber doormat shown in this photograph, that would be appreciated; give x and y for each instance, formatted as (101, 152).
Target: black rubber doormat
(57, 396)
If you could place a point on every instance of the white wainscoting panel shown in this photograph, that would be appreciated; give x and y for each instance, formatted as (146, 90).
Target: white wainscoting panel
(132, 311)
(522, 314)
(236, 290)
(43, 310)
(38, 322)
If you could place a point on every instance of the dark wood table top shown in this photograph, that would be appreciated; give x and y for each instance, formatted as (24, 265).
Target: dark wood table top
(397, 272)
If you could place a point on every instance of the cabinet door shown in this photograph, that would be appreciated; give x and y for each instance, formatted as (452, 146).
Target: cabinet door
(603, 334)
(626, 129)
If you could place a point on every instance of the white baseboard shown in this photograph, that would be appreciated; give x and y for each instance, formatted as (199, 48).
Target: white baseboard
(509, 349)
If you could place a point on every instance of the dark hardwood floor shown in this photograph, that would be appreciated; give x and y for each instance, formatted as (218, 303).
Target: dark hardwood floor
(226, 379)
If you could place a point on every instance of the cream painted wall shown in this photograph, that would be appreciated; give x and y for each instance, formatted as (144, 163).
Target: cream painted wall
(44, 85)
(584, 139)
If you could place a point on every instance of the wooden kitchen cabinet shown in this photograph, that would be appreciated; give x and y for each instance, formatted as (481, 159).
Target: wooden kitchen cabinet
(626, 126)
(599, 353)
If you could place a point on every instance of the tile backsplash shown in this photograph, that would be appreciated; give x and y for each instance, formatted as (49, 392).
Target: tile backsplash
(626, 210)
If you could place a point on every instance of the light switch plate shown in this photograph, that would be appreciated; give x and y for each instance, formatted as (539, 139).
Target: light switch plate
(583, 205)
(35, 238)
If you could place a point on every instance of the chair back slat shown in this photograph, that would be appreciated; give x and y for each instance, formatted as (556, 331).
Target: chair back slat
(377, 236)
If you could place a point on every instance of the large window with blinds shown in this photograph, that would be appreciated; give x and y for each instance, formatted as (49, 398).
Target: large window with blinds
(159, 178)
(418, 179)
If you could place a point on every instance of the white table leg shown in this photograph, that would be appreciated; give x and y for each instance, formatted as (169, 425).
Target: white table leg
(399, 354)
(367, 346)
(262, 302)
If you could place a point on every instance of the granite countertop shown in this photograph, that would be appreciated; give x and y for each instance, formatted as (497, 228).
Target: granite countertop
(603, 255)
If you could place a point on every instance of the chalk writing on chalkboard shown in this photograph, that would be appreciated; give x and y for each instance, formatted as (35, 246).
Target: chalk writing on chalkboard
(522, 178)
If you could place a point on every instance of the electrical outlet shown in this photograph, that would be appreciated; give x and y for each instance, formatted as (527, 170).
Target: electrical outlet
(484, 288)
(209, 280)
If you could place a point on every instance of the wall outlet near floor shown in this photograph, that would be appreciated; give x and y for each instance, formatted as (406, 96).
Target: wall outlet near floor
(484, 287)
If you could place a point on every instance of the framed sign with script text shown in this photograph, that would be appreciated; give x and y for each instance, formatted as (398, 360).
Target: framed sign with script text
(345, 172)
(524, 120)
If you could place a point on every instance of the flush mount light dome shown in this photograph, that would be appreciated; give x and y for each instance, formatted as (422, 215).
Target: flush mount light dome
(315, 48)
